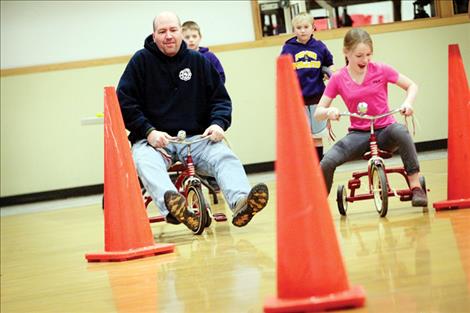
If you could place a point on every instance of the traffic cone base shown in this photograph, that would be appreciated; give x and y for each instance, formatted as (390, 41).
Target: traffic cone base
(452, 204)
(130, 254)
(355, 297)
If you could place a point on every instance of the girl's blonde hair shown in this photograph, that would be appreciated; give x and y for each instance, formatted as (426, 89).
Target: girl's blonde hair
(354, 37)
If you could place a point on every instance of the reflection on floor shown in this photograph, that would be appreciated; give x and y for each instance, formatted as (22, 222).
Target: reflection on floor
(414, 260)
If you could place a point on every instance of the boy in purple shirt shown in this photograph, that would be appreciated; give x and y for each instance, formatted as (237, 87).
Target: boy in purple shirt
(310, 56)
(192, 36)
(362, 80)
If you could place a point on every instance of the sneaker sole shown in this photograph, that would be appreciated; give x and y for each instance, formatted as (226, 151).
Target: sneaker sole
(419, 204)
(170, 219)
(176, 204)
(256, 201)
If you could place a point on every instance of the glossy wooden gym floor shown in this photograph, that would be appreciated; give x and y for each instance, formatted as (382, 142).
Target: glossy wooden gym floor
(415, 260)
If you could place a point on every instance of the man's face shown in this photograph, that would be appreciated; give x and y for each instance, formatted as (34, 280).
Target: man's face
(167, 35)
(192, 38)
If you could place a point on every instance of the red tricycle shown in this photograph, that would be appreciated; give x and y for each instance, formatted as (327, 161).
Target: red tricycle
(379, 185)
(189, 184)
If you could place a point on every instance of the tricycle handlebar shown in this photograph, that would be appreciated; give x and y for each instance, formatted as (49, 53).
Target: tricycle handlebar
(370, 117)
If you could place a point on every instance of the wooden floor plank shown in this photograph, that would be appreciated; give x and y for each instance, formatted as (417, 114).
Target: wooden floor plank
(414, 260)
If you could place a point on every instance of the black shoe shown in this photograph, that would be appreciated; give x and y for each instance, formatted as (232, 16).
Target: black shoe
(176, 204)
(213, 183)
(247, 207)
(419, 197)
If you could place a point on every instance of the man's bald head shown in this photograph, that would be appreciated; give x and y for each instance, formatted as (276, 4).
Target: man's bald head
(167, 33)
(163, 16)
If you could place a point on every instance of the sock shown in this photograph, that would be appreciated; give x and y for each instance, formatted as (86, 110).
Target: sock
(319, 152)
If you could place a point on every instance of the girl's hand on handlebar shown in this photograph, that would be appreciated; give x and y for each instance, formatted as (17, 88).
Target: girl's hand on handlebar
(406, 109)
(332, 113)
(215, 133)
(158, 139)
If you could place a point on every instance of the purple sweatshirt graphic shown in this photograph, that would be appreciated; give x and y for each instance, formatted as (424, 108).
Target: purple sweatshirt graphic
(308, 61)
(214, 61)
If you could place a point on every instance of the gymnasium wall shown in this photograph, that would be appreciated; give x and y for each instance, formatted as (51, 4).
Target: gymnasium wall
(46, 32)
(44, 146)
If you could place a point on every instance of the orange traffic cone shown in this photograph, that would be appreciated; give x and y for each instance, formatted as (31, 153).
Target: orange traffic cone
(310, 270)
(127, 230)
(458, 149)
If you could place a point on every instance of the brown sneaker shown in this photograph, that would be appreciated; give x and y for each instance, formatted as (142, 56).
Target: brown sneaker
(170, 219)
(246, 208)
(419, 197)
(176, 204)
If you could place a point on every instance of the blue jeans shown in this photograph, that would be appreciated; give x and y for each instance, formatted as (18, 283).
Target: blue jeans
(356, 143)
(210, 158)
(317, 128)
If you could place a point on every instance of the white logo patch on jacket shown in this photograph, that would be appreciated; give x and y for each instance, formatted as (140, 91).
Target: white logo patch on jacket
(185, 74)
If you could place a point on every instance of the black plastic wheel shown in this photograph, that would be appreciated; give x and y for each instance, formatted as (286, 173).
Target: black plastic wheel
(379, 189)
(197, 204)
(341, 195)
(209, 215)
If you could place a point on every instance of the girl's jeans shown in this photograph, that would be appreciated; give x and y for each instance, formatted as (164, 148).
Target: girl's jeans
(356, 143)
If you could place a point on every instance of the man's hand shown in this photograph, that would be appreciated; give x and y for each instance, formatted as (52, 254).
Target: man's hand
(215, 133)
(158, 139)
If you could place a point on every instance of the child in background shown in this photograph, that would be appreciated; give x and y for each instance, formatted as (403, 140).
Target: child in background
(362, 80)
(310, 55)
(192, 36)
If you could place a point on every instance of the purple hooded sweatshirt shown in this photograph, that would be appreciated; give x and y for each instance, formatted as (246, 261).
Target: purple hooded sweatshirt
(214, 61)
(309, 59)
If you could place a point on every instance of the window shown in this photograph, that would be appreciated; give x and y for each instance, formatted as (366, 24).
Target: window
(276, 15)
(461, 6)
